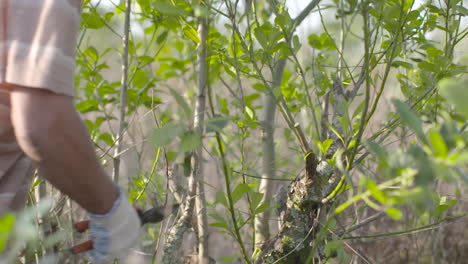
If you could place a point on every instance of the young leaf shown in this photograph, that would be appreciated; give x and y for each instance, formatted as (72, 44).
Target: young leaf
(92, 20)
(91, 53)
(455, 92)
(239, 191)
(220, 225)
(169, 9)
(410, 118)
(107, 138)
(6, 224)
(191, 33)
(377, 150)
(394, 213)
(87, 106)
(325, 145)
(164, 135)
(261, 36)
(438, 144)
(256, 198)
(181, 102)
(216, 124)
(262, 208)
(250, 113)
(190, 141)
(221, 198)
(376, 192)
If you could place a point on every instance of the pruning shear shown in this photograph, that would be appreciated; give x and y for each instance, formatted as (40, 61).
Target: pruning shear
(153, 215)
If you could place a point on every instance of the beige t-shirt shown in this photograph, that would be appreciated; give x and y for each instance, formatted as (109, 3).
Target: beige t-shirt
(37, 43)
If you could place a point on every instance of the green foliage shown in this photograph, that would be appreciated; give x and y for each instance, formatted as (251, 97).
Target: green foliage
(324, 41)
(455, 92)
(6, 224)
(410, 119)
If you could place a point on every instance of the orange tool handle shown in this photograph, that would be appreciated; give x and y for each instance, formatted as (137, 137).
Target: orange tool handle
(83, 247)
(81, 226)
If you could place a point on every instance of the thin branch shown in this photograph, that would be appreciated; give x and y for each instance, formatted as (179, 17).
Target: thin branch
(260, 177)
(123, 93)
(305, 12)
(362, 223)
(412, 230)
(197, 157)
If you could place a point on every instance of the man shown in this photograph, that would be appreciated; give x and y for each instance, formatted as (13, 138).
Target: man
(39, 127)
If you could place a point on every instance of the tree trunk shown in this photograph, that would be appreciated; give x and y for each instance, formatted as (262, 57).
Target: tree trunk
(197, 157)
(262, 231)
(195, 199)
(304, 208)
(123, 94)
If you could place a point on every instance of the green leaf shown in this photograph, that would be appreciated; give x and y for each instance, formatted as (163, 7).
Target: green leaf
(87, 106)
(36, 183)
(169, 9)
(181, 102)
(262, 208)
(261, 36)
(359, 109)
(284, 21)
(107, 138)
(322, 42)
(146, 59)
(256, 253)
(140, 78)
(394, 213)
(410, 118)
(7, 222)
(249, 112)
(216, 124)
(296, 44)
(239, 191)
(426, 172)
(427, 66)
(161, 38)
(376, 192)
(190, 141)
(92, 20)
(340, 137)
(444, 205)
(456, 93)
(325, 145)
(331, 247)
(221, 198)
(412, 15)
(164, 135)
(462, 10)
(403, 64)
(434, 52)
(91, 53)
(145, 5)
(191, 33)
(377, 150)
(256, 198)
(438, 144)
(220, 225)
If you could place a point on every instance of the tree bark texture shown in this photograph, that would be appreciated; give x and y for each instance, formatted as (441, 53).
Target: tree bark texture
(262, 231)
(195, 200)
(197, 157)
(300, 218)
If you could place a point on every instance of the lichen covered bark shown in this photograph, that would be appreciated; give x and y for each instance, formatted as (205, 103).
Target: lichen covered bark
(173, 249)
(293, 243)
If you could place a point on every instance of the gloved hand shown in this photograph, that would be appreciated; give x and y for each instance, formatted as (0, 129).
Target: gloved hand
(114, 233)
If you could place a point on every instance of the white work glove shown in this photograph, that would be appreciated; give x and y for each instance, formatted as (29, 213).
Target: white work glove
(114, 233)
